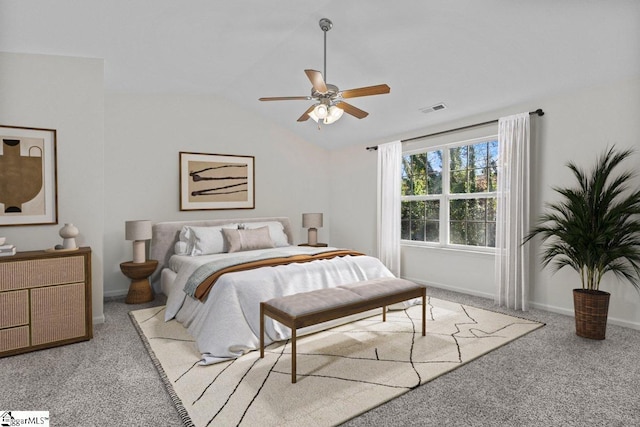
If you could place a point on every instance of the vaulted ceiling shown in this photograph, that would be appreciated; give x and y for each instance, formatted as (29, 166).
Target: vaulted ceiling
(474, 56)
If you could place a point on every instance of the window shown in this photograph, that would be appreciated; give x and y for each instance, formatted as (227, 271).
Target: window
(449, 195)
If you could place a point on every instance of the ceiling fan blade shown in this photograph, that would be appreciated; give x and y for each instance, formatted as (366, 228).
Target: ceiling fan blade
(305, 116)
(366, 91)
(317, 80)
(286, 98)
(350, 109)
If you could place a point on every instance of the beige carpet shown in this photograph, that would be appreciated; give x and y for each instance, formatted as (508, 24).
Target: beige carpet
(342, 372)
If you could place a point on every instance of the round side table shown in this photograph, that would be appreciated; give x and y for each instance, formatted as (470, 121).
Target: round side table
(140, 290)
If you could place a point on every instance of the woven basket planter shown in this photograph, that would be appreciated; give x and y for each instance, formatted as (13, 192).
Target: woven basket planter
(591, 309)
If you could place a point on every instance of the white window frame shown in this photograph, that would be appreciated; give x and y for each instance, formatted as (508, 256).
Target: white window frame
(445, 197)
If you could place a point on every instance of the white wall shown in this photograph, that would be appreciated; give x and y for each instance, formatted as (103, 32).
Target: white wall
(577, 126)
(145, 133)
(65, 94)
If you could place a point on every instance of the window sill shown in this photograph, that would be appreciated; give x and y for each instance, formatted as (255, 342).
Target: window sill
(461, 251)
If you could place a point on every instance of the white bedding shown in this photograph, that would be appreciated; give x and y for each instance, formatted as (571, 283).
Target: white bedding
(227, 324)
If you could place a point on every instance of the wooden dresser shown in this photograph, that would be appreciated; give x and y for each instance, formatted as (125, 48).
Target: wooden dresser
(45, 300)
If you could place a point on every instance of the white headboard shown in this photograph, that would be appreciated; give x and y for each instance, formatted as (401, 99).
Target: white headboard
(165, 235)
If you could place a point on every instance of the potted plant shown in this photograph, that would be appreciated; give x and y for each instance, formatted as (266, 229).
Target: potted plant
(594, 229)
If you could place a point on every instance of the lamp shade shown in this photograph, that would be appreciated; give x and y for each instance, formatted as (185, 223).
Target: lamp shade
(321, 111)
(137, 230)
(312, 220)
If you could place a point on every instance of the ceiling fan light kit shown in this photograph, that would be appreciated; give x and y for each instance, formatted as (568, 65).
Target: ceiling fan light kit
(328, 115)
(330, 100)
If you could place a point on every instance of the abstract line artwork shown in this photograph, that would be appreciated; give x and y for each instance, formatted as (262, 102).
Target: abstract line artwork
(216, 181)
(27, 176)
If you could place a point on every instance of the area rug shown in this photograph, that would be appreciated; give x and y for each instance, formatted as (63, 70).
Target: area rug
(342, 372)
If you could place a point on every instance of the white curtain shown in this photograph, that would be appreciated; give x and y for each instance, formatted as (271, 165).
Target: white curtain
(512, 216)
(389, 164)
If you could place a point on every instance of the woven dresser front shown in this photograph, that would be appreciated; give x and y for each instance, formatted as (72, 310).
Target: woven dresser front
(45, 300)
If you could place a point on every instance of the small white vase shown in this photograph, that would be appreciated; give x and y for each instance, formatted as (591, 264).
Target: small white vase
(68, 234)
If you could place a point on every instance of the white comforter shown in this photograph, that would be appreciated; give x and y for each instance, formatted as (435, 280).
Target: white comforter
(227, 323)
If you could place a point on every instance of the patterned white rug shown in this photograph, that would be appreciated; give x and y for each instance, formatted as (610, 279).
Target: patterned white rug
(342, 372)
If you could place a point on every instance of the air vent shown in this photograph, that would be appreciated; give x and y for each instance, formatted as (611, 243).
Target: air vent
(436, 107)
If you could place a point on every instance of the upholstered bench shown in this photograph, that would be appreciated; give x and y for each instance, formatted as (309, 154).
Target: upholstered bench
(310, 308)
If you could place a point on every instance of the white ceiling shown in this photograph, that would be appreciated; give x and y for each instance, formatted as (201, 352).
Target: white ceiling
(475, 56)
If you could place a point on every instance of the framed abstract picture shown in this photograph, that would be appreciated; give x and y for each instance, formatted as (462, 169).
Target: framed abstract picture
(28, 176)
(216, 181)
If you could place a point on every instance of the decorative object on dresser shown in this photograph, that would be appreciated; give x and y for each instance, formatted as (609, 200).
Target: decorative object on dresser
(312, 221)
(68, 234)
(5, 248)
(216, 181)
(140, 290)
(28, 187)
(138, 231)
(45, 300)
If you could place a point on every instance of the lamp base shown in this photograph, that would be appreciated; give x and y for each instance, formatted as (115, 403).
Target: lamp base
(312, 238)
(138, 251)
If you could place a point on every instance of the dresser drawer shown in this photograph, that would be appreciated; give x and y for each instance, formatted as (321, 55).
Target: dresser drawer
(15, 308)
(57, 313)
(41, 272)
(14, 338)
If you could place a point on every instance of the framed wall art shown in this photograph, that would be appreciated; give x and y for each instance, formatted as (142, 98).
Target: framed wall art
(28, 176)
(216, 181)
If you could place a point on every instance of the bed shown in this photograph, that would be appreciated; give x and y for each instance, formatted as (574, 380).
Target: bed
(225, 322)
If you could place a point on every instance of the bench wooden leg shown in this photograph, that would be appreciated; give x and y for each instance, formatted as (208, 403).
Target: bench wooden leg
(261, 330)
(424, 311)
(293, 355)
(384, 313)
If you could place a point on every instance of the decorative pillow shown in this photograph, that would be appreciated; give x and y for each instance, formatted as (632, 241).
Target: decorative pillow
(276, 230)
(209, 240)
(186, 238)
(201, 240)
(180, 248)
(248, 239)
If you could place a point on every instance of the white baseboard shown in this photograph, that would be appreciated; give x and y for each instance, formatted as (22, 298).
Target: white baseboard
(98, 319)
(536, 305)
(569, 312)
(450, 288)
(116, 293)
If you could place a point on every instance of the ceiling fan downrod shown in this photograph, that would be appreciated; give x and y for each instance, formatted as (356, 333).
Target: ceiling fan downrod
(325, 25)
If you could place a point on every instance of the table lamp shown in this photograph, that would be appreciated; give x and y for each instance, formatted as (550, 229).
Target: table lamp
(138, 231)
(312, 221)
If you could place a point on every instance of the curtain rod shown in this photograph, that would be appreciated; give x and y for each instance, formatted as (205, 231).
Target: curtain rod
(538, 112)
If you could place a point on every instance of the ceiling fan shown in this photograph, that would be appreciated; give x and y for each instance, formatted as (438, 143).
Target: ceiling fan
(330, 100)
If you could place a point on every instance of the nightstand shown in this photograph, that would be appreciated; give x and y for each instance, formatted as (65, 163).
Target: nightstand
(317, 245)
(140, 290)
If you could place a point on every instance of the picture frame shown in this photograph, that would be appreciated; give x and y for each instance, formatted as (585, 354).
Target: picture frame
(216, 181)
(28, 176)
